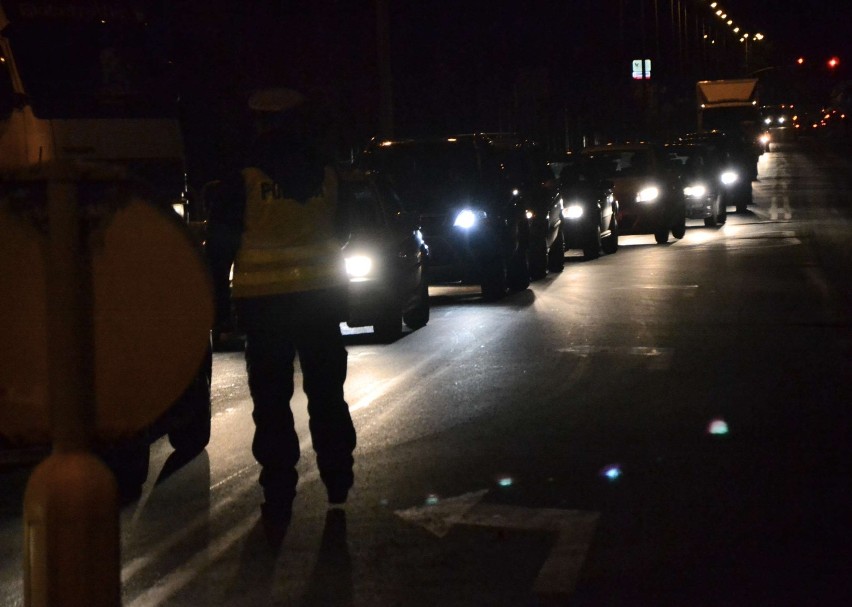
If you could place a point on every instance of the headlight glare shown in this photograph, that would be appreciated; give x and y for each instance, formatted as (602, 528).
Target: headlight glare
(648, 194)
(572, 211)
(466, 218)
(729, 177)
(358, 266)
(695, 191)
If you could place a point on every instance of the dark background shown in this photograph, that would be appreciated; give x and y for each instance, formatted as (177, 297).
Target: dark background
(558, 71)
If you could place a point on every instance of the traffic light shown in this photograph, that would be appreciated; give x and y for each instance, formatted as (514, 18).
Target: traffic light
(800, 60)
(833, 62)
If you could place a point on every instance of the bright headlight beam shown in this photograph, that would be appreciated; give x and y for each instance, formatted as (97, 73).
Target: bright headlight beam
(572, 211)
(465, 219)
(729, 177)
(358, 266)
(648, 194)
(695, 191)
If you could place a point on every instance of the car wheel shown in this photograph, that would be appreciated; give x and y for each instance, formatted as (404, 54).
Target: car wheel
(388, 327)
(661, 236)
(592, 249)
(723, 212)
(610, 243)
(493, 280)
(518, 272)
(129, 463)
(679, 230)
(556, 254)
(743, 200)
(193, 435)
(418, 316)
(538, 258)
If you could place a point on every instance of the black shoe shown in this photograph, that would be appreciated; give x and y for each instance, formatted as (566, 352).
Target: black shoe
(276, 521)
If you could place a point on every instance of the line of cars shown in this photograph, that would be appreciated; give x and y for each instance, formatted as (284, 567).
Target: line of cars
(496, 210)
(483, 208)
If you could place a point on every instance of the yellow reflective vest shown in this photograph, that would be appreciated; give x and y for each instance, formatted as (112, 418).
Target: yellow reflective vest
(287, 245)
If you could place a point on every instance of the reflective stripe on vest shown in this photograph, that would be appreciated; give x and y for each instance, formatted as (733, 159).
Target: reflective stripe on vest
(287, 246)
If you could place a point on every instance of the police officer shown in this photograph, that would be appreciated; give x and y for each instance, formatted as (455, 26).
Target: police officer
(274, 221)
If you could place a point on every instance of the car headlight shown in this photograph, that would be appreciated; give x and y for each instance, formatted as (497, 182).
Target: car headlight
(695, 191)
(729, 177)
(467, 218)
(179, 207)
(358, 266)
(648, 194)
(572, 211)
(768, 120)
(530, 214)
(764, 139)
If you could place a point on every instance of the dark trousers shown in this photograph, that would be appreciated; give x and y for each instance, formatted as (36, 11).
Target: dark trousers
(277, 328)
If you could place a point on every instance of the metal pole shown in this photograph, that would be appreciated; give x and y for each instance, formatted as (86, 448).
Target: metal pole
(71, 529)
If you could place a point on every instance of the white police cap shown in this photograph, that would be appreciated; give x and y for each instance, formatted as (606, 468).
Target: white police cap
(275, 100)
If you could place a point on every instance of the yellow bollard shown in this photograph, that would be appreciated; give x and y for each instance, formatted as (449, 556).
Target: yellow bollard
(71, 533)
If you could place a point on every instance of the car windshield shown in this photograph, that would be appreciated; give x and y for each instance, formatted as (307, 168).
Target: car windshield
(359, 207)
(612, 164)
(428, 175)
(105, 62)
(691, 161)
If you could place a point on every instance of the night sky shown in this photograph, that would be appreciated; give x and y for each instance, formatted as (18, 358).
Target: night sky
(551, 68)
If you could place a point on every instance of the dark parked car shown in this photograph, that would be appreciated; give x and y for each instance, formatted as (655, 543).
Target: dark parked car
(740, 165)
(525, 168)
(701, 168)
(471, 214)
(650, 199)
(386, 258)
(589, 208)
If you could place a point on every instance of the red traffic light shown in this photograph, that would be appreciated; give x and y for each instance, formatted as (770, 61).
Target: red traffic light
(800, 60)
(833, 62)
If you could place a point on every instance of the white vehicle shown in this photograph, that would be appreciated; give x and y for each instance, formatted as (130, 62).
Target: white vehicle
(733, 107)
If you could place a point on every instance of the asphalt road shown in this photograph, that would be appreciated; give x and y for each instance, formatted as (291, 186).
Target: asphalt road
(668, 425)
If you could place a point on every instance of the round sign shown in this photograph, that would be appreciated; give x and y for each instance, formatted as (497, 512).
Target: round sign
(153, 309)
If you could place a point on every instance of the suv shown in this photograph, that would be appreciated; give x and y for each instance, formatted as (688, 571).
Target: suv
(739, 166)
(470, 204)
(386, 258)
(650, 199)
(526, 169)
(702, 170)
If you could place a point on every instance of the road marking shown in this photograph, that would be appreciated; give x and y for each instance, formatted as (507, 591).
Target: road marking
(175, 581)
(574, 529)
(657, 359)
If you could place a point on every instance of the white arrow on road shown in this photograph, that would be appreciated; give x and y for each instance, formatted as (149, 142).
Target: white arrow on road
(574, 529)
